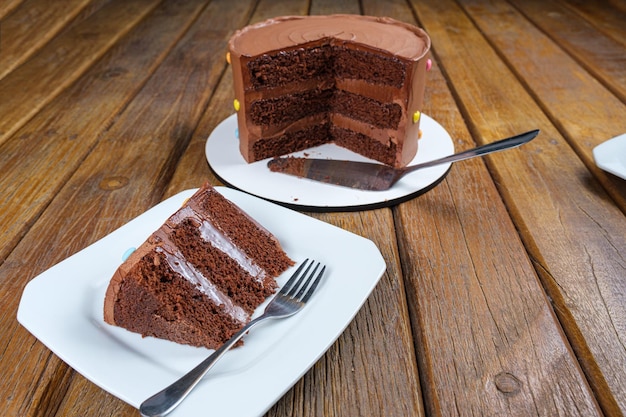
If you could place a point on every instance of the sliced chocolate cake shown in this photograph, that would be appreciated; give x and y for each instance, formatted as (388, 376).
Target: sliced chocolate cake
(199, 277)
(357, 81)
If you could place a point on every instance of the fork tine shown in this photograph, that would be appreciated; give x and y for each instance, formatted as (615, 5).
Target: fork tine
(296, 286)
(314, 285)
(304, 286)
(285, 289)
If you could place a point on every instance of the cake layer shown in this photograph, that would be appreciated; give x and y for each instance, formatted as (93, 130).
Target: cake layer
(318, 134)
(322, 62)
(246, 234)
(289, 66)
(364, 144)
(308, 136)
(377, 114)
(278, 112)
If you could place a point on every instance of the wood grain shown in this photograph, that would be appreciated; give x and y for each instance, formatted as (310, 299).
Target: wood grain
(506, 354)
(499, 312)
(154, 127)
(605, 17)
(550, 199)
(373, 354)
(8, 6)
(325, 7)
(31, 26)
(503, 293)
(64, 138)
(557, 83)
(40, 79)
(600, 54)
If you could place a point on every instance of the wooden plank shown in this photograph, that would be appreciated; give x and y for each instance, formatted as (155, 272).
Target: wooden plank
(31, 26)
(267, 9)
(372, 368)
(171, 115)
(477, 365)
(7, 7)
(489, 343)
(603, 16)
(559, 85)
(397, 9)
(572, 231)
(373, 359)
(598, 53)
(67, 136)
(45, 75)
(154, 127)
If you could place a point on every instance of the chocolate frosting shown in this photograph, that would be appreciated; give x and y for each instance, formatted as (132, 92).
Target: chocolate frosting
(381, 33)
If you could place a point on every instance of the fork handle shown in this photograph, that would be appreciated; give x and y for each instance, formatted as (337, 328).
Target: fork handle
(164, 401)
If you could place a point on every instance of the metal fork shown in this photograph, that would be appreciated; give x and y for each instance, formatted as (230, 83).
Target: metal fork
(289, 300)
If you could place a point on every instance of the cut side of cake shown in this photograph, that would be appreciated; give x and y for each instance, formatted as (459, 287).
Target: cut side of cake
(199, 277)
(356, 81)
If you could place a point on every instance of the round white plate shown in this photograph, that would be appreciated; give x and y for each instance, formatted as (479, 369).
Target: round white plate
(222, 153)
(611, 156)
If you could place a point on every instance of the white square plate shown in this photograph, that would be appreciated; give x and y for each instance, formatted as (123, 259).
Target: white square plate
(62, 307)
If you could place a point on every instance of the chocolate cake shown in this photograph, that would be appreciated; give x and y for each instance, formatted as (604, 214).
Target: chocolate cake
(302, 81)
(199, 277)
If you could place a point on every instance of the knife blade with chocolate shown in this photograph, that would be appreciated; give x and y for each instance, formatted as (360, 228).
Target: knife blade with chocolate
(378, 177)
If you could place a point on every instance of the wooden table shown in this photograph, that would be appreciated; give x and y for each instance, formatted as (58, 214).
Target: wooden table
(505, 288)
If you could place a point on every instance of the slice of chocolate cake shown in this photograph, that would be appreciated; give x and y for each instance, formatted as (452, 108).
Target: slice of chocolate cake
(302, 81)
(199, 277)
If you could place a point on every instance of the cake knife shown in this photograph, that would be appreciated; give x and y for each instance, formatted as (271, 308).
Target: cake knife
(378, 177)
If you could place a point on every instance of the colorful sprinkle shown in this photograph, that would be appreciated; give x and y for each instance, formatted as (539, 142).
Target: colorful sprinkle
(416, 116)
(429, 64)
(126, 254)
(236, 105)
(228, 57)
(237, 133)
